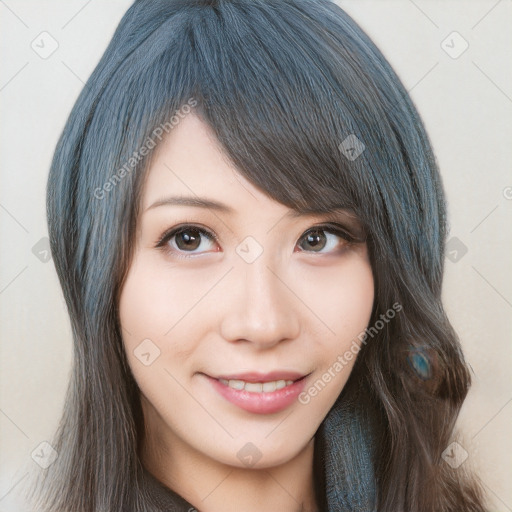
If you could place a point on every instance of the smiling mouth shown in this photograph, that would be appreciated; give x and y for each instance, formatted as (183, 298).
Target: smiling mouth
(256, 393)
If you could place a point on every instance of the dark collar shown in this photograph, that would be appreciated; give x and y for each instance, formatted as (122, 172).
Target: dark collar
(347, 443)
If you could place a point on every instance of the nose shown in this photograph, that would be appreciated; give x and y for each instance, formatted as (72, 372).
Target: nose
(262, 309)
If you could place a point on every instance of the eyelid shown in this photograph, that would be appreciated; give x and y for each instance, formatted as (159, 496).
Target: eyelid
(333, 227)
(346, 225)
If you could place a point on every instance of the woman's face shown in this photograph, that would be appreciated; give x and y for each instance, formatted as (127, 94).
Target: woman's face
(238, 326)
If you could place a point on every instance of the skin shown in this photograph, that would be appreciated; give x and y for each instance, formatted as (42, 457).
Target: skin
(296, 307)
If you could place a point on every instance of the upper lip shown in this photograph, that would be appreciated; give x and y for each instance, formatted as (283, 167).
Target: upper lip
(263, 377)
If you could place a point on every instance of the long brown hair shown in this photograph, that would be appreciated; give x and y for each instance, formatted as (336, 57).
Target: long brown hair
(284, 85)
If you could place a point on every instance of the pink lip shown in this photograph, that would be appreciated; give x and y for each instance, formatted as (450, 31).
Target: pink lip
(260, 403)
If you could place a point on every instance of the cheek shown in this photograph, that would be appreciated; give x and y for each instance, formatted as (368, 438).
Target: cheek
(142, 305)
(355, 300)
(149, 307)
(151, 304)
(149, 310)
(342, 299)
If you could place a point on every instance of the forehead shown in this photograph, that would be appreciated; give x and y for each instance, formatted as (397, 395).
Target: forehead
(189, 168)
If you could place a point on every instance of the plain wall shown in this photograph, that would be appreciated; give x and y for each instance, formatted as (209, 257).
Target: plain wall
(465, 101)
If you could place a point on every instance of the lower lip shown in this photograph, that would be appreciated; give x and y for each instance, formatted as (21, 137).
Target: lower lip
(260, 403)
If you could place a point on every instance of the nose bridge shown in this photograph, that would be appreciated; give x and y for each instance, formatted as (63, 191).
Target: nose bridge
(263, 309)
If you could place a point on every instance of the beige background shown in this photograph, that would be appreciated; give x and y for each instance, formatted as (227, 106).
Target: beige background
(466, 103)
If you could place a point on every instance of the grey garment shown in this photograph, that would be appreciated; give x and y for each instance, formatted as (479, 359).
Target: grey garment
(343, 464)
(162, 498)
(348, 443)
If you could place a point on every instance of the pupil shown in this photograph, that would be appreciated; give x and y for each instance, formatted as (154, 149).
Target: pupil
(314, 239)
(186, 241)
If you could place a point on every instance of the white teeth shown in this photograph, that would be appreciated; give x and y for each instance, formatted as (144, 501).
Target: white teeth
(269, 386)
(253, 386)
(281, 384)
(237, 384)
(256, 387)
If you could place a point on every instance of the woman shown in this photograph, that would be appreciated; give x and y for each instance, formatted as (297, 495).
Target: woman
(248, 225)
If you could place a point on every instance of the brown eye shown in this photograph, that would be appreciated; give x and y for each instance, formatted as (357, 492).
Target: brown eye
(316, 240)
(324, 237)
(187, 239)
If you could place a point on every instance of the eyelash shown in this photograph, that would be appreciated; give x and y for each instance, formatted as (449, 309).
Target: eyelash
(332, 228)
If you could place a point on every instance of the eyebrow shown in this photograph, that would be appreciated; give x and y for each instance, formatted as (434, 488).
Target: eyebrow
(202, 202)
(198, 202)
